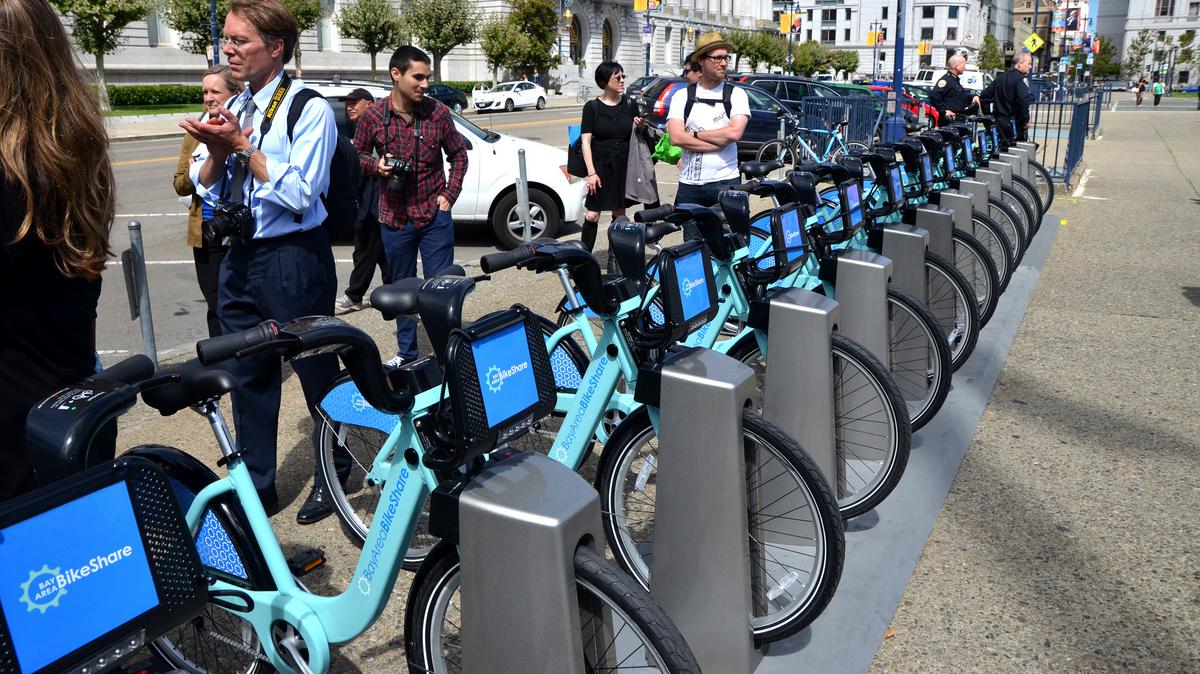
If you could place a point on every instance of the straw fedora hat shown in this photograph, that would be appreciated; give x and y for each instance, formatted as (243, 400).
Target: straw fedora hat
(709, 42)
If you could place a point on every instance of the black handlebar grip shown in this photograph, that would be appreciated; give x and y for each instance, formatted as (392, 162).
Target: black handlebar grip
(494, 262)
(132, 370)
(653, 214)
(216, 349)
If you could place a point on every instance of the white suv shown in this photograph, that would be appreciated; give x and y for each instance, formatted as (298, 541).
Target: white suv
(489, 188)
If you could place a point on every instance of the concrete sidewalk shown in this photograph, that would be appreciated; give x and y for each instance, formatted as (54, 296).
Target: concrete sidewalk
(149, 127)
(1068, 541)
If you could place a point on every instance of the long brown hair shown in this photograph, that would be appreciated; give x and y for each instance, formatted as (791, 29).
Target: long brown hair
(53, 147)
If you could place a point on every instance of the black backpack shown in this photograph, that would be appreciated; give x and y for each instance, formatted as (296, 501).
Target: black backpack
(726, 100)
(341, 200)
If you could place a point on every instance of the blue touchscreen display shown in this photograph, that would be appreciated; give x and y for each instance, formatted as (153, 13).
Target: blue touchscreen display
(791, 234)
(505, 374)
(693, 285)
(71, 574)
(967, 150)
(949, 160)
(897, 184)
(926, 169)
(854, 204)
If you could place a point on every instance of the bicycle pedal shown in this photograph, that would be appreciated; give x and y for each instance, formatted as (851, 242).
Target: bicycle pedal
(305, 561)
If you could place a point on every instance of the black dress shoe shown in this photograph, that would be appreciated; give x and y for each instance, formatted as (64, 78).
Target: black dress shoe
(316, 508)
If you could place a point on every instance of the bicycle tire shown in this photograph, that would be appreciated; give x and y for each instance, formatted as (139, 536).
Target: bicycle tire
(1011, 224)
(623, 467)
(918, 357)
(952, 302)
(1026, 189)
(973, 262)
(600, 585)
(782, 150)
(850, 150)
(865, 398)
(995, 242)
(1044, 183)
(1021, 206)
(354, 509)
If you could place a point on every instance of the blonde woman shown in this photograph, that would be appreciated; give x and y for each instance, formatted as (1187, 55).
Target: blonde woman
(56, 207)
(218, 86)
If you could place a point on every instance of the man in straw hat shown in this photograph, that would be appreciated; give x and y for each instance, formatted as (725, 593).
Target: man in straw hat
(706, 120)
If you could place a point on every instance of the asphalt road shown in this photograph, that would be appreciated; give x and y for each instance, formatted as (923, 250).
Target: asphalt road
(144, 170)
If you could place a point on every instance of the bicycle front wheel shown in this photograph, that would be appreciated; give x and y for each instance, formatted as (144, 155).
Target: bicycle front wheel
(1044, 183)
(872, 435)
(952, 303)
(918, 356)
(1031, 196)
(1012, 226)
(1025, 213)
(995, 242)
(623, 630)
(781, 150)
(796, 537)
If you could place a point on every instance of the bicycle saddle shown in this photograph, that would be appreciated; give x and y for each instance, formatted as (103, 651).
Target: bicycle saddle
(627, 244)
(758, 169)
(736, 206)
(187, 384)
(827, 172)
(805, 185)
(400, 298)
(711, 224)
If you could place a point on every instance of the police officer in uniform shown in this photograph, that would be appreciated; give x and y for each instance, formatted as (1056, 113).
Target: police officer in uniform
(949, 97)
(1009, 96)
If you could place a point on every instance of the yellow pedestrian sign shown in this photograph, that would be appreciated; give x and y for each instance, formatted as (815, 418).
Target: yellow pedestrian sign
(1034, 42)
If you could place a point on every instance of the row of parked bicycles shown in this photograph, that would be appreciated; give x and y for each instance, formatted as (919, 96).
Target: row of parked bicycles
(580, 389)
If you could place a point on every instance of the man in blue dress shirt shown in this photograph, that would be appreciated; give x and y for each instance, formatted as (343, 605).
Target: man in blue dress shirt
(280, 266)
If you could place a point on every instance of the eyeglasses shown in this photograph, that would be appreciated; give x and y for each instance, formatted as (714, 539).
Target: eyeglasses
(718, 59)
(237, 43)
(618, 77)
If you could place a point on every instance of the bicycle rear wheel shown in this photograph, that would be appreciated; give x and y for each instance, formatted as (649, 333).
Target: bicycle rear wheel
(796, 541)
(918, 356)
(1044, 183)
(952, 303)
(995, 242)
(1030, 193)
(783, 151)
(1024, 210)
(1012, 226)
(622, 628)
(972, 260)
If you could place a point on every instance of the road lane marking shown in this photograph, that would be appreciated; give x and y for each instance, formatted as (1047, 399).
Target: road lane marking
(155, 160)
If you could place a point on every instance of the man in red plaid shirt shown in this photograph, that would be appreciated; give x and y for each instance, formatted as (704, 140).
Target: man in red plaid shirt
(415, 197)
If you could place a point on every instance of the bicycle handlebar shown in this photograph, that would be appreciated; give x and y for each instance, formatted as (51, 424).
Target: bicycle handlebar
(653, 214)
(130, 371)
(495, 262)
(216, 349)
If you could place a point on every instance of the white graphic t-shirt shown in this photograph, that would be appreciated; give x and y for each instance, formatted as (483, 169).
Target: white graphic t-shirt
(699, 168)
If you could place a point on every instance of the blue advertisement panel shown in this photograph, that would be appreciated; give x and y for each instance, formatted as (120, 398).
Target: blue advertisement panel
(791, 234)
(693, 286)
(71, 574)
(505, 373)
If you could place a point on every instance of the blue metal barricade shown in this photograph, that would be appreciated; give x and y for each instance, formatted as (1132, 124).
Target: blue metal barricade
(1061, 130)
(861, 113)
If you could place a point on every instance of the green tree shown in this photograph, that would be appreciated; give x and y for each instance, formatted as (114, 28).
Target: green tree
(190, 18)
(845, 61)
(774, 50)
(1189, 55)
(97, 26)
(376, 24)
(810, 57)
(741, 43)
(990, 58)
(1106, 63)
(442, 25)
(1136, 52)
(502, 44)
(537, 22)
(308, 14)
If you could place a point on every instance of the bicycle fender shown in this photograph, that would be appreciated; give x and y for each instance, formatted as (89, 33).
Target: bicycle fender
(343, 403)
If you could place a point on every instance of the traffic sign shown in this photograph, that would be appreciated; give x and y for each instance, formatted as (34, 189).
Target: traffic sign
(647, 29)
(1034, 42)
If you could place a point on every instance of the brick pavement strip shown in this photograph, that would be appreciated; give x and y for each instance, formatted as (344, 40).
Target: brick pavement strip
(1068, 540)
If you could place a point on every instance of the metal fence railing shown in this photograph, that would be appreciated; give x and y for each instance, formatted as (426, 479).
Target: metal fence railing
(1061, 130)
(862, 113)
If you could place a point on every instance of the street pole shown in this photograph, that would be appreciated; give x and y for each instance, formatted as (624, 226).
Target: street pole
(893, 130)
(561, 9)
(216, 35)
(648, 40)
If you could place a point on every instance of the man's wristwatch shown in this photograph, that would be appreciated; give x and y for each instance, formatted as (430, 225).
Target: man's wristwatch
(244, 155)
(696, 135)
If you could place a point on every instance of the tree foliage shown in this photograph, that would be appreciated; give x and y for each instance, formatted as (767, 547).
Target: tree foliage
(810, 57)
(97, 27)
(1106, 63)
(442, 25)
(845, 61)
(502, 43)
(376, 24)
(990, 58)
(308, 14)
(1136, 52)
(537, 21)
(190, 18)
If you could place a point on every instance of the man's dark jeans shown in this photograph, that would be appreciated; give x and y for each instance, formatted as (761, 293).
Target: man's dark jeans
(704, 195)
(435, 242)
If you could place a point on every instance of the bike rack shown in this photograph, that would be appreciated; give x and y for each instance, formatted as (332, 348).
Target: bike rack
(862, 280)
(1005, 170)
(961, 203)
(980, 193)
(993, 179)
(800, 370)
(526, 513)
(939, 223)
(701, 572)
(905, 246)
(1018, 161)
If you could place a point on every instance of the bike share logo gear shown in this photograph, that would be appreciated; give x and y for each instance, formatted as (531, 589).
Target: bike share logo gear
(690, 285)
(495, 376)
(46, 589)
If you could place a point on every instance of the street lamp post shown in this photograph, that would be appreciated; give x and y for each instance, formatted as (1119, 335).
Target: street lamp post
(893, 130)
(216, 35)
(1171, 71)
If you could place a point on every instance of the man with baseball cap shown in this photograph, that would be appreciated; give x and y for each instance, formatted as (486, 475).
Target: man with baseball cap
(706, 120)
(368, 246)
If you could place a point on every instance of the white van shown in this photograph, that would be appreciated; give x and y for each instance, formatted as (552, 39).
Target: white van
(971, 78)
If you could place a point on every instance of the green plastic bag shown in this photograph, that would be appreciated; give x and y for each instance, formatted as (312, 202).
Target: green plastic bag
(664, 151)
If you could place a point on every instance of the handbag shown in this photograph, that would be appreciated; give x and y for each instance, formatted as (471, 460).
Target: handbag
(575, 164)
(664, 151)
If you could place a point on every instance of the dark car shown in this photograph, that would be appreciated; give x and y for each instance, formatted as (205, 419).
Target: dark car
(765, 110)
(788, 89)
(451, 98)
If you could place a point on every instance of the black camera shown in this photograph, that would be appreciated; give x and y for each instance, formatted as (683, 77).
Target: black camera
(401, 169)
(231, 220)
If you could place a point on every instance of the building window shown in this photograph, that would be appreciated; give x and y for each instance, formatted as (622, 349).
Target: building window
(809, 36)
(829, 35)
(847, 13)
(576, 39)
(828, 16)
(951, 33)
(882, 56)
(1194, 10)
(846, 36)
(1183, 76)
(885, 9)
(925, 61)
(927, 33)
(953, 13)
(926, 12)
(606, 42)
(1164, 8)
(810, 16)
(1028, 20)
